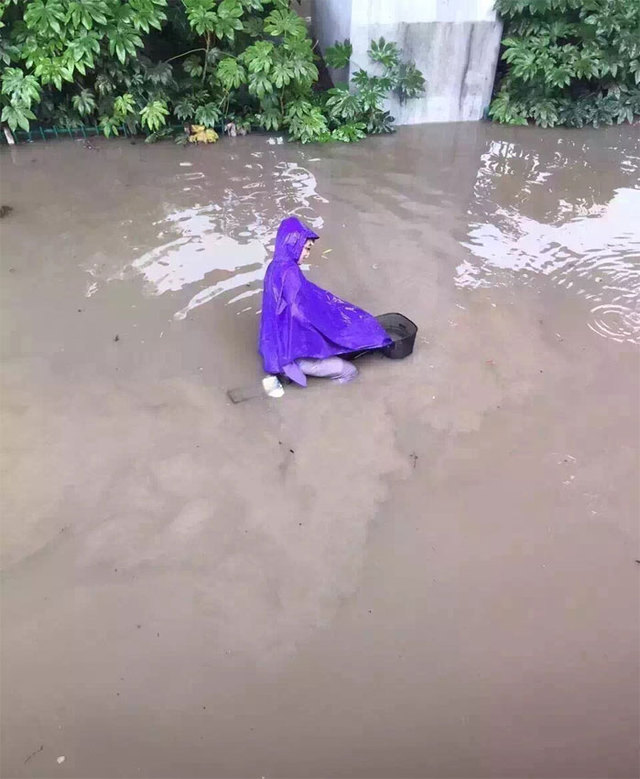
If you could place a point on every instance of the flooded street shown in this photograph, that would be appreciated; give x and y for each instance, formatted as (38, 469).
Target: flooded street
(431, 572)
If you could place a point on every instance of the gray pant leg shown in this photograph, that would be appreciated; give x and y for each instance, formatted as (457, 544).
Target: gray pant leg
(334, 368)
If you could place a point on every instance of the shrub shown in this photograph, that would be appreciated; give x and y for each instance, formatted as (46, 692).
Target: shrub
(353, 112)
(145, 65)
(569, 62)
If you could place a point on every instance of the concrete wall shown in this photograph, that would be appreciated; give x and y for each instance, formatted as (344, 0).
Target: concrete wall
(331, 23)
(455, 43)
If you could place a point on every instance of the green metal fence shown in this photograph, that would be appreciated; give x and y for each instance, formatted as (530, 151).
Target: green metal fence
(83, 131)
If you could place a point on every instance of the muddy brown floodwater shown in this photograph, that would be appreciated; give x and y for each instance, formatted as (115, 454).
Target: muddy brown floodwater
(431, 572)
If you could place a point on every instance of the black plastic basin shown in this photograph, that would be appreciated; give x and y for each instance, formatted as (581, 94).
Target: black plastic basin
(402, 332)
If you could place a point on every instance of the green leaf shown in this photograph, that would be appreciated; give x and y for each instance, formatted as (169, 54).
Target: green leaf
(299, 55)
(270, 118)
(17, 116)
(193, 66)
(258, 57)
(380, 122)
(146, 14)
(201, 16)
(44, 16)
(503, 109)
(123, 105)
(283, 23)
(104, 85)
(348, 133)
(309, 127)
(20, 88)
(409, 81)
(545, 113)
(213, 55)
(9, 52)
(585, 67)
(51, 71)
(84, 102)
(87, 13)
(165, 132)
(153, 115)
(283, 72)
(254, 26)
(343, 105)
(184, 109)
(110, 125)
(372, 90)
(228, 19)
(568, 61)
(231, 73)
(260, 85)
(384, 52)
(83, 48)
(298, 109)
(12, 79)
(208, 115)
(363, 80)
(338, 56)
(123, 41)
(160, 74)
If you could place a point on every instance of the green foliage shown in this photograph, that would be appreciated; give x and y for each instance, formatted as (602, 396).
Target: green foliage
(84, 102)
(371, 89)
(343, 104)
(18, 92)
(403, 78)
(306, 122)
(208, 115)
(384, 52)
(348, 133)
(20, 88)
(569, 62)
(154, 115)
(123, 105)
(65, 57)
(231, 73)
(259, 57)
(110, 125)
(285, 24)
(379, 122)
(207, 17)
(146, 65)
(270, 118)
(338, 55)
(299, 55)
(409, 81)
(352, 113)
(185, 109)
(17, 116)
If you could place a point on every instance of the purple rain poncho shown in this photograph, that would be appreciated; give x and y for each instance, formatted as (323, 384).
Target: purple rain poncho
(302, 320)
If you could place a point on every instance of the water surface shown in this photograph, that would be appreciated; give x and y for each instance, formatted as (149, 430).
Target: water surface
(428, 573)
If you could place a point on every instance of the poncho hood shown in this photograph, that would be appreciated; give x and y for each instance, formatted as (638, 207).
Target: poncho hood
(291, 238)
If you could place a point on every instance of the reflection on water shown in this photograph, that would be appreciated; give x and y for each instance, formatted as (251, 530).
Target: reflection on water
(559, 219)
(544, 207)
(199, 249)
(232, 237)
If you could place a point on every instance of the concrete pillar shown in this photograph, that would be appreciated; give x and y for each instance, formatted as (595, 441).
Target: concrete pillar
(455, 43)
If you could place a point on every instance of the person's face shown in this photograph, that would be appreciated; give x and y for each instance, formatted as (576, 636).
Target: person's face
(306, 251)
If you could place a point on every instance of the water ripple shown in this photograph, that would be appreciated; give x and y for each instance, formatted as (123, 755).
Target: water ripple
(587, 242)
(228, 238)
